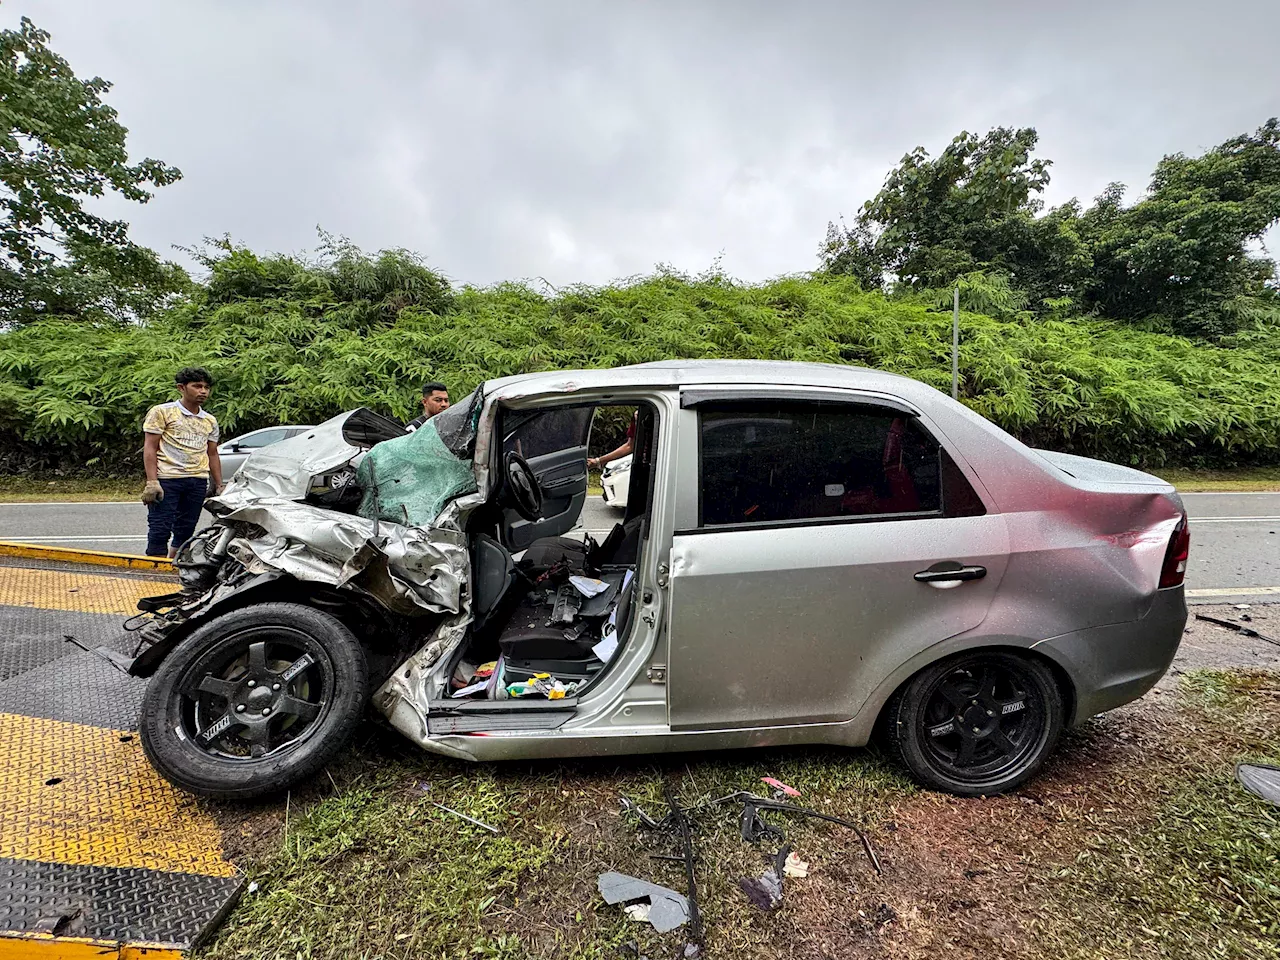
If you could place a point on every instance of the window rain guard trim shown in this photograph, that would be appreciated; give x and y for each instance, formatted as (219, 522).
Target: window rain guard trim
(785, 394)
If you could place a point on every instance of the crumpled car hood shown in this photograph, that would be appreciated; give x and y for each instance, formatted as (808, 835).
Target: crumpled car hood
(284, 470)
(411, 570)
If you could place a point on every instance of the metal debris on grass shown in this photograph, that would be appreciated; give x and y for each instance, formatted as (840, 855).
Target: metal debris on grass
(667, 909)
(1238, 628)
(765, 891)
(482, 825)
(1260, 779)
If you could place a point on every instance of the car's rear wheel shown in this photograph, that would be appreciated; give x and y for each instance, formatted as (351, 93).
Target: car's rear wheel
(976, 724)
(254, 701)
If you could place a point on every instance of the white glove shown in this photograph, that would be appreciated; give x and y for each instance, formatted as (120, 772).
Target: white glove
(152, 492)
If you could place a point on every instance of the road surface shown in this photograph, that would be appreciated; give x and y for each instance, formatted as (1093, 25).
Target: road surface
(1235, 537)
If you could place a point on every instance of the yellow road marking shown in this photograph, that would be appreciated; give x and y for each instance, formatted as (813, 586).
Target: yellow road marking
(82, 592)
(80, 795)
(42, 946)
(101, 558)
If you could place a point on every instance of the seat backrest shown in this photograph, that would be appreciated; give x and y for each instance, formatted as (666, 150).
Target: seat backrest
(493, 572)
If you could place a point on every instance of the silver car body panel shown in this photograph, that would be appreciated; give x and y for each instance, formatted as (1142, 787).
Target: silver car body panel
(799, 633)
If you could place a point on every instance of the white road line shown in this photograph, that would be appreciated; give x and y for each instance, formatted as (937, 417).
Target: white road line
(72, 503)
(1230, 493)
(1233, 592)
(1234, 519)
(136, 538)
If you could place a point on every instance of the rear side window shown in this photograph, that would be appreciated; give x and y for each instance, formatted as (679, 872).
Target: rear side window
(263, 438)
(771, 462)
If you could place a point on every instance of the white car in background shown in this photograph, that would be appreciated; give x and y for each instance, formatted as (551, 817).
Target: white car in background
(616, 478)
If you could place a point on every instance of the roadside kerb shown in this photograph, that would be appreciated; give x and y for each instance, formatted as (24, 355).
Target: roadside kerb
(101, 558)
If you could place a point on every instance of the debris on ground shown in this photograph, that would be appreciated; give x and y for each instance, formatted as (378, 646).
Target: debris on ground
(765, 891)
(755, 826)
(667, 909)
(1238, 627)
(637, 911)
(478, 823)
(794, 867)
(780, 788)
(1260, 779)
(680, 820)
(633, 808)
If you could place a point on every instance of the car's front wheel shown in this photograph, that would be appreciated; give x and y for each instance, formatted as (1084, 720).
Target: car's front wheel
(254, 701)
(976, 724)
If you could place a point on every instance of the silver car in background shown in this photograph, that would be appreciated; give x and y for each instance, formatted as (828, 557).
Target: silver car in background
(808, 554)
(234, 452)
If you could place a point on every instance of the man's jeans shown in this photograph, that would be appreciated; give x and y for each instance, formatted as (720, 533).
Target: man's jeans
(176, 515)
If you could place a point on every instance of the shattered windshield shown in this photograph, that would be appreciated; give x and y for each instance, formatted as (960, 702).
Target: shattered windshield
(409, 479)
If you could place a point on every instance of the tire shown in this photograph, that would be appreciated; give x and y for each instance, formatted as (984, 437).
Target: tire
(977, 724)
(254, 702)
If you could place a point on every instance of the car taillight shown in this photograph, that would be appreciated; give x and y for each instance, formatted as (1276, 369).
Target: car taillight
(1175, 558)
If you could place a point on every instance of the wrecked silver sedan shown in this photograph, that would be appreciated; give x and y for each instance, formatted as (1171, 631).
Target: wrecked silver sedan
(809, 554)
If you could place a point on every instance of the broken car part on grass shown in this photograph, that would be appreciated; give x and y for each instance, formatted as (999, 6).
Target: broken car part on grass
(765, 891)
(1260, 779)
(1238, 628)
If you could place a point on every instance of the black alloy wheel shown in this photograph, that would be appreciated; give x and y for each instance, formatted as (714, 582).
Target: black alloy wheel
(254, 701)
(978, 724)
(256, 692)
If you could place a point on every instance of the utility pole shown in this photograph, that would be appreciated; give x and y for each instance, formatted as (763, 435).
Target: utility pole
(955, 347)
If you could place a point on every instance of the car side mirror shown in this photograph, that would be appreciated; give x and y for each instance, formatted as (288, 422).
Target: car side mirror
(235, 448)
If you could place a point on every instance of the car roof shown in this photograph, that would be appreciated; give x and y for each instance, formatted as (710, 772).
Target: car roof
(670, 373)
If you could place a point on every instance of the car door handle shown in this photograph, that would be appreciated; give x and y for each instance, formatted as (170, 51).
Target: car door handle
(935, 575)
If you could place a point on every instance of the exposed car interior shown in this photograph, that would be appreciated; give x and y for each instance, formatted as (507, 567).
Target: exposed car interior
(550, 610)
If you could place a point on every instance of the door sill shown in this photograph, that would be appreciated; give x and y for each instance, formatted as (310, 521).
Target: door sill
(490, 716)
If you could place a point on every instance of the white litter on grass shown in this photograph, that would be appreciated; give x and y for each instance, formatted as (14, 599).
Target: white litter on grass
(638, 912)
(795, 867)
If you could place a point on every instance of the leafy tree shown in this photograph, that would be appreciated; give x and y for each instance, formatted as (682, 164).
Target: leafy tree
(1179, 257)
(971, 208)
(59, 145)
(1181, 252)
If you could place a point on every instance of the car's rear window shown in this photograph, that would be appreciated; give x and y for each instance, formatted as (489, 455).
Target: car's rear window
(769, 462)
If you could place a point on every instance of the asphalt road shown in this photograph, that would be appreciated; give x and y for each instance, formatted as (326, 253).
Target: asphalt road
(1235, 537)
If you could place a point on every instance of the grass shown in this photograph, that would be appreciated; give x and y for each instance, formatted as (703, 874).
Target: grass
(1136, 841)
(23, 489)
(1236, 480)
(1196, 873)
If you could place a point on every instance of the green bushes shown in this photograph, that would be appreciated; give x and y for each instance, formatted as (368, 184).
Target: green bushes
(288, 342)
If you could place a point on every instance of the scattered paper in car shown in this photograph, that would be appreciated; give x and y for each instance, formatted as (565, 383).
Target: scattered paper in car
(607, 647)
(589, 586)
(473, 688)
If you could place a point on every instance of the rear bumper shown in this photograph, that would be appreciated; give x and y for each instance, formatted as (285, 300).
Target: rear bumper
(1113, 665)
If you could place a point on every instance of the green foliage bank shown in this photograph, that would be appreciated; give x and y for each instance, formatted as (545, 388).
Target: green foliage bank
(295, 342)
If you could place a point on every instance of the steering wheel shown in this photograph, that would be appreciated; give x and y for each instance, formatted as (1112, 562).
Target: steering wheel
(526, 494)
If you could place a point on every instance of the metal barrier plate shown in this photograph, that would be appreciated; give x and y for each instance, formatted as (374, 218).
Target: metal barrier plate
(97, 852)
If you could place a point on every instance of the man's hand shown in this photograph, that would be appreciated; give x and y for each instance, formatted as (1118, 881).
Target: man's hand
(593, 462)
(152, 492)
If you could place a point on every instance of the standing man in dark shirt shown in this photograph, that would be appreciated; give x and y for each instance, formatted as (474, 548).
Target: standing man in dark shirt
(435, 399)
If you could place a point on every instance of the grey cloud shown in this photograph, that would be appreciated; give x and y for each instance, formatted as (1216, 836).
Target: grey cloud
(582, 141)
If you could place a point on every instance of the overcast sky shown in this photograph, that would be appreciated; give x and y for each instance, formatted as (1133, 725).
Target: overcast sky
(582, 141)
